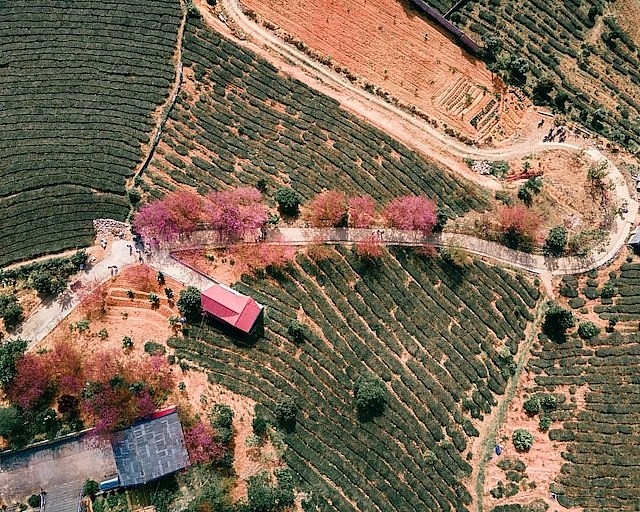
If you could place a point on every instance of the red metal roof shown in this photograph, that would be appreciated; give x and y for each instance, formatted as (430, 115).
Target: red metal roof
(231, 307)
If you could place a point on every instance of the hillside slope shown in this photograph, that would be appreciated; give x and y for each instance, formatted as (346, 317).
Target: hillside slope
(79, 83)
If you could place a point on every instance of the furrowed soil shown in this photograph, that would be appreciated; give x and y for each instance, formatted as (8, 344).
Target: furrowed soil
(396, 48)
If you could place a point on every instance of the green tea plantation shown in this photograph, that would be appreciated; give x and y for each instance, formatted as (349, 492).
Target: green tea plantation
(246, 122)
(441, 341)
(79, 82)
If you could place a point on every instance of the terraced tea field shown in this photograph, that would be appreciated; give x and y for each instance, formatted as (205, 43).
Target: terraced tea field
(626, 304)
(593, 63)
(598, 418)
(438, 339)
(79, 83)
(238, 121)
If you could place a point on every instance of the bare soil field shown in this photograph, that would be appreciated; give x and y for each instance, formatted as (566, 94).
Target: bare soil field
(565, 198)
(542, 461)
(628, 14)
(398, 50)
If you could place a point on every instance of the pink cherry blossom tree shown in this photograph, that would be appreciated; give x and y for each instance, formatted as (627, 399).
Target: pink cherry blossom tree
(362, 212)
(236, 211)
(328, 209)
(412, 212)
(176, 213)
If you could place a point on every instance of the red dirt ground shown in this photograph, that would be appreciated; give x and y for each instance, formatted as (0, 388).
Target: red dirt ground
(543, 460)
(401, 52)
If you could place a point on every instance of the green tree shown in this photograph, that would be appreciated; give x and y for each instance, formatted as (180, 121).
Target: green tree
(542, 90)
(10, 353)
(556, 241)
(286, 411)
(91, 488)
(524, 194)
(10, 310)
(588, 330)
(492, 47)
(370, 394)
(42, 282)
(556, 321)
(260, 493)
(288, 201)
(134, 196)
(189, 304)
(11, 422)
(221, 416)
(297, 330)
(516, 68)
(259, 426)
(522, 439)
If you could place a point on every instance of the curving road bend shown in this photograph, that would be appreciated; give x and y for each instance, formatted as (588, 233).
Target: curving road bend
(441, 147)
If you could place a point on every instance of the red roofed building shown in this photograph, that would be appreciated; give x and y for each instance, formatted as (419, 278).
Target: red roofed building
(232, 308)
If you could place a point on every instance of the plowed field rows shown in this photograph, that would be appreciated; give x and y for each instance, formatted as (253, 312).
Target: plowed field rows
(436, 337)
(396, 48)
(602, 469)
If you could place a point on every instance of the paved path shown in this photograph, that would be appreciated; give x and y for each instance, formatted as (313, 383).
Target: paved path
(62, 464)
(171, 267)
(52, 312)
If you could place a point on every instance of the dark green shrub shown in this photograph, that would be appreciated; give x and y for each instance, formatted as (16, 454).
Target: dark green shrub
(91, 488)
(576, 302)
(155, 349)
(34, 500)
(591, 292)
(288, 201)
(285, 413)
(608, 290)
(549, 402)
(532, 405)
(127, 342)
(259, 426)
(588, 330)
(134, 196)
(522, 439)
(544, 423)
(297, 330)
(370, 394)
(569, 286)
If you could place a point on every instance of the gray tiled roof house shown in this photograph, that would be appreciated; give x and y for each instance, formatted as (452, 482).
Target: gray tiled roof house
(150, 449)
